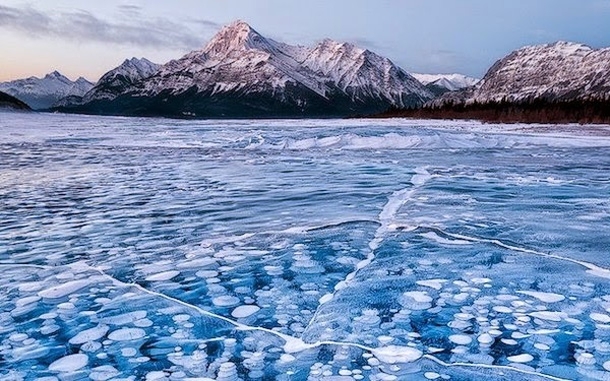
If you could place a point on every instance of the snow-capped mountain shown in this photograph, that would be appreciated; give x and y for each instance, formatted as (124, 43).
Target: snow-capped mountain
(443, 83)
(121, 79)
(558, 72)
(363, 75)
(41, 93)
(241, 73)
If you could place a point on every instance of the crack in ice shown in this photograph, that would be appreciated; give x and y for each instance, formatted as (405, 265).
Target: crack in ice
(26, 265)
(486, 366)
(391, 354)
(387, 218)
(591, 268)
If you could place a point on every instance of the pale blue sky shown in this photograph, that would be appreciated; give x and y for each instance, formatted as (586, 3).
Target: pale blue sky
(429, 36)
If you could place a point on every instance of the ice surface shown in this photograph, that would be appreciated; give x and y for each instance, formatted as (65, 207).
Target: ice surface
(302, 250)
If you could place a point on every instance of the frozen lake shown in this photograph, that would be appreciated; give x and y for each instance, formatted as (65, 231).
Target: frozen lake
(302, 250)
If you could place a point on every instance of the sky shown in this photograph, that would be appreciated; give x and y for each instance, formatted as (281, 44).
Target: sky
(88, 38)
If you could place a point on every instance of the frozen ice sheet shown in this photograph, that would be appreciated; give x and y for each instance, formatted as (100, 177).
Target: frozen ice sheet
(302, 250)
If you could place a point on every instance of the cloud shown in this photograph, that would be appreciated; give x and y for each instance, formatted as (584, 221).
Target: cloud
(84, 26)
(366, 43)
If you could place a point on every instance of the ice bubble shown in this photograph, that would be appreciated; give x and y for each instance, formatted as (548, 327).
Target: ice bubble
(164, 276)
(395, 354)
(18, 337)
(103, 373)
(27, 300)
(485, 339)
(436, 284)
(128, 352)
(503, 309)
(585, 359)
(460, 339)
(544, 296)
(416, 300)
(510, 342)
(123, 319)
(205, 274)
(49, 329)
(519, 335)
(155, 375)
(126, 334)
(91, 346)
(432, 375)
(65, 289)
(181, 318)
(225, 301)
(143, 323)
(227, 372)
(48, 315)
(91, 334)
(244, 311)
(548, 315)
(520, 359)
(69, 363)
(600, 318)
(606, 366)
(480, 280)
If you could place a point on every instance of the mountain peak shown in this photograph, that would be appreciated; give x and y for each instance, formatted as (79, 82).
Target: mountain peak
(237, 36)
(55, 75)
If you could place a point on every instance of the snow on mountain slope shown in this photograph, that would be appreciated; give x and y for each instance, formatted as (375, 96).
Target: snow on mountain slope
(239, 59)
(363, 74)
(40, 93)
(241, 73)
(563, 71)
(451, 82)
(559, 71)
(121, 79)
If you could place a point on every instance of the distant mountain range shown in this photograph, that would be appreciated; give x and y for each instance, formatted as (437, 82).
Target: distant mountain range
(242, 74)
(440, 84)
(42, 93)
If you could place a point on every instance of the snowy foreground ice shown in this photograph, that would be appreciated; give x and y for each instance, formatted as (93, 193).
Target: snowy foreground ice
(151, 249)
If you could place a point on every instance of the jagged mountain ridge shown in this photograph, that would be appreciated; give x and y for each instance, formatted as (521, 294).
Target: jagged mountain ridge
(41, 93)
(558, 72)
(116, 81)
(121, 78)
(440, 84)
(241, 73)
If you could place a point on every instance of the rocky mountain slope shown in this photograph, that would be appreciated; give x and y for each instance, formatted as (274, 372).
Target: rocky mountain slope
(240, 73)
(8, 102)
(42, 93)
(121, 79)
(562, 82)
(559, 72)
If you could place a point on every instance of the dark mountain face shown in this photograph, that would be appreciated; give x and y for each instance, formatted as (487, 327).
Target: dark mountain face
(242, 74)
(8, 102)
